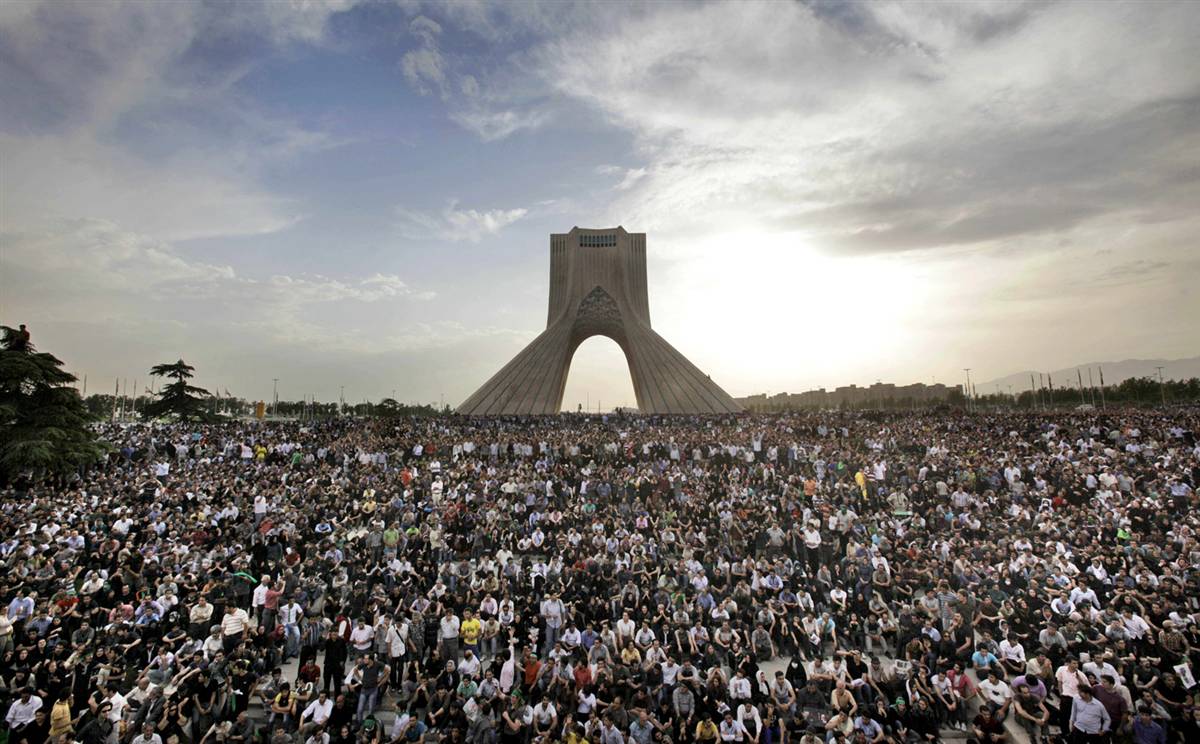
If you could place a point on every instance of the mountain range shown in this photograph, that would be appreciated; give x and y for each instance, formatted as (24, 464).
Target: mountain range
(1114, 373)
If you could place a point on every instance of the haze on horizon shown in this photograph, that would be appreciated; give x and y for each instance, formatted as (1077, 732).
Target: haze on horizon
(361, 194)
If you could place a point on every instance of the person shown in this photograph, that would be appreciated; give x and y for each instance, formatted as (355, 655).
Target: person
(733, 730)
(1115, 701)
(1146, 730)
(706, 731)
(996, 693)
(317, 712)
(61, 719)
(369, 676)
(1089, 718)
(1031, 713)
(235, 628)
(147, 735)
(987, 727)
(657, 535)
(1069, 680)
(21, 712)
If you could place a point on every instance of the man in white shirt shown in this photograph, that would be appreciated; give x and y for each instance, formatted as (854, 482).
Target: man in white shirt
(448, 628)
(469, 667)
(361, 638)
(1098, 669)
(545, 717)
(234, 627)
(739, 687)
(552, 612)
(147, 736)
(289, 616)
(1012, 655)
(317, 713)
(732, 730)
(23, 709)
(259, 597)
(996, 693)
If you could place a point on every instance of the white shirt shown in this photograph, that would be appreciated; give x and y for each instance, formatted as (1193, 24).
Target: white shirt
(361, 637)
(318, 712)
(20, 713)
(290, 614)
(234, 623)
(997, 693)
(739, 688)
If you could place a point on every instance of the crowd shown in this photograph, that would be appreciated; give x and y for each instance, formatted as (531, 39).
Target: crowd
(831, 577)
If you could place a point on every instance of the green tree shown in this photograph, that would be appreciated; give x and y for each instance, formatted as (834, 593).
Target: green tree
(43, 421)
(178, 399)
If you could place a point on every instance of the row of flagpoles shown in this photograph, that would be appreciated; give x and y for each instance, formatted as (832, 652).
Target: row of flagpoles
(1083, 396)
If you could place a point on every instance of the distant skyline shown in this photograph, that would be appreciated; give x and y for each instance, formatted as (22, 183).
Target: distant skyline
(361, 194)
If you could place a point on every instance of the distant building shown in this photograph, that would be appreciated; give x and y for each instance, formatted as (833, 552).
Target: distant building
(879, 395)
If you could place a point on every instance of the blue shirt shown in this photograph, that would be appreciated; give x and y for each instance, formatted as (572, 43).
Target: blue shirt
(1148, 733)
(1090, 717)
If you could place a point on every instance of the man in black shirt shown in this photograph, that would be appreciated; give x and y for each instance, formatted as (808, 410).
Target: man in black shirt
(335, 663)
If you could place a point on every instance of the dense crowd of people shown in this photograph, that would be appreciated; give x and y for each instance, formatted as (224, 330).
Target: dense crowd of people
(808, 577)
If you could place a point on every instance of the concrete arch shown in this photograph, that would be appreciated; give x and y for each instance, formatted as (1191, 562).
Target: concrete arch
(598, 287)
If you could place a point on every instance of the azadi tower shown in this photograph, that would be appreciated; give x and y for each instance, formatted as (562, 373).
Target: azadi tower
(598, 287)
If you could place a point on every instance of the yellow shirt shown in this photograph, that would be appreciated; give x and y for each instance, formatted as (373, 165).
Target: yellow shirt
(469, 630)
(60, 718)
(706, 730)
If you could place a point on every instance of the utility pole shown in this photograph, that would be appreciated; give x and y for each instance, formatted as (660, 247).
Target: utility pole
(274, 396)
(1162, 390)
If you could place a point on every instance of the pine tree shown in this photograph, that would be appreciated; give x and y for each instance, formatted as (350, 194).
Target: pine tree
(179, 399)
(43, 421)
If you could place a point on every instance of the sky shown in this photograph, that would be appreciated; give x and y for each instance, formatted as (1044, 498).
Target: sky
(360, 195)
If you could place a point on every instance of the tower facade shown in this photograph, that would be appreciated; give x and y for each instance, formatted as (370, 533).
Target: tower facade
(598, 288)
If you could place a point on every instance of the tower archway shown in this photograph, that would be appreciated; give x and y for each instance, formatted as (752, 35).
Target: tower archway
(598, 287)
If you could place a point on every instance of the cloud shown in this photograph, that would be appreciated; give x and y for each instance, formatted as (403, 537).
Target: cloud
(1130, 272)
(491, 125)
(424, 67)
(130, 113)
(455, 224)
(893, 127)
(121, 261)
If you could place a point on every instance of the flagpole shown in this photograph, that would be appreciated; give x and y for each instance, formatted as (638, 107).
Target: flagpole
(116, 394)
(1091, 386)
(1079, 375)
(1102, 404)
